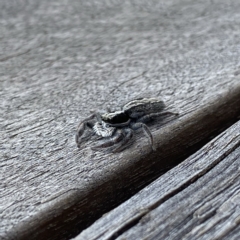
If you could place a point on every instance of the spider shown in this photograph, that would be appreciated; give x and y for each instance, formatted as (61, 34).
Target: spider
(117, 128)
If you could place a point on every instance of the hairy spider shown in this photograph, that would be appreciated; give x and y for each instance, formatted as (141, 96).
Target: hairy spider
(117, 127)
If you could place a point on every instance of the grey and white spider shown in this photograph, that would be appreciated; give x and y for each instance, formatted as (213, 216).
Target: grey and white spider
(117, 128)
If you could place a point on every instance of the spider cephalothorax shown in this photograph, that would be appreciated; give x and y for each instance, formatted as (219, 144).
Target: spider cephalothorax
(116, 128)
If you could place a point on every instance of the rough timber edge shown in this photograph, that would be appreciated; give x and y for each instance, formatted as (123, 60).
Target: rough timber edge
(70, 212)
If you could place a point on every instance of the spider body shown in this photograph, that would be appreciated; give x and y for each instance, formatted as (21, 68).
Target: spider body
(117, 128)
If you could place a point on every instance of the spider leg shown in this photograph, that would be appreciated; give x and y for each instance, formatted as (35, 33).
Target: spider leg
(164, 113)
(146, 131)
(117, 137)
(127, 137)
(81, 130)
(151, 116)
(84, 124)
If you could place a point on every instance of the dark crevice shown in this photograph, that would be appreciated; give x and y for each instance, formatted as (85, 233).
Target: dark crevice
(128, 226)
(191, 181)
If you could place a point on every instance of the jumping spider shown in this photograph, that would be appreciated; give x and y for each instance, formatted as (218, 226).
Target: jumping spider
(117, 127)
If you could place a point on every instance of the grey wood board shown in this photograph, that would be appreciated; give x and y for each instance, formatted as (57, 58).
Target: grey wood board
(59, 60)
(198, 199)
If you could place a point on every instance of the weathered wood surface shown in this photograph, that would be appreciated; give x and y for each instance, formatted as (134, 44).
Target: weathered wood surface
(198, 199)
(61, 59)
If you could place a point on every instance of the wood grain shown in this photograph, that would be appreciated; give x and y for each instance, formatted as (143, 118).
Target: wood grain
(61, 59)
(198, 199)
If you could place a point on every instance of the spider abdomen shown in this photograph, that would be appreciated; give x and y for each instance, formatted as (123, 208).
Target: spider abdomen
(143, 106)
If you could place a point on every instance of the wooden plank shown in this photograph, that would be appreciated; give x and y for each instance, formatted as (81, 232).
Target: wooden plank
(198, 199)
(60, 60)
